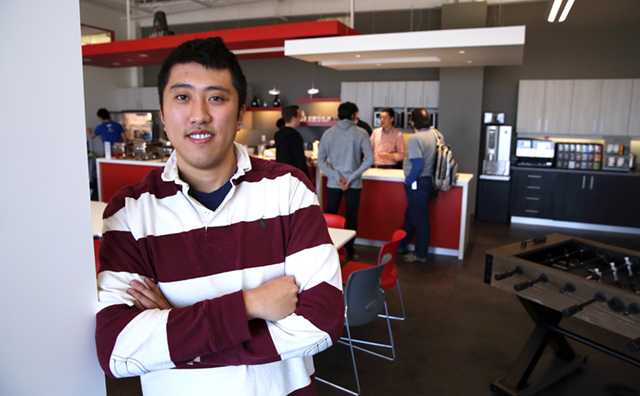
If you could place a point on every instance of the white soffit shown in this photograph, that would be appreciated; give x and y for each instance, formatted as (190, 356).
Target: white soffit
(494, 46)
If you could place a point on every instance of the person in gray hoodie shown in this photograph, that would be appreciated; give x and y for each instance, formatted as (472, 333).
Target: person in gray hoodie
(340, 156)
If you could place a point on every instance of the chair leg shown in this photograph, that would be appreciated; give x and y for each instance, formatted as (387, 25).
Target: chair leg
(390, 346)
(353, 359)
(404, 315)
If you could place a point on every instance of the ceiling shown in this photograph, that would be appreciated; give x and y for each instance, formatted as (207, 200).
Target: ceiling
(498, 46)
(197, 11)
(400, 50)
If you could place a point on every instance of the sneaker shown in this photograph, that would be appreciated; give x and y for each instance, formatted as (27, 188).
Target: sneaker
(411, 258)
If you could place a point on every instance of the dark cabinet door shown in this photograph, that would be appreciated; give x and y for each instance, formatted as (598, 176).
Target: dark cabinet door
(582, 198)
(623, 201)
(532, 193)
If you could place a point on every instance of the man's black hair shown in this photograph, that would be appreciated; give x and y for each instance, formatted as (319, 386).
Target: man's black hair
(389, 111)
(104, 114)
(280, 123)
(210, 53)
(289, 112)
(347, 110)
(420, 119)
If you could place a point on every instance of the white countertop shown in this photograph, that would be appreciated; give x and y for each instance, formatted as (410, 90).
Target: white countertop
(97, 208)
(397, 175)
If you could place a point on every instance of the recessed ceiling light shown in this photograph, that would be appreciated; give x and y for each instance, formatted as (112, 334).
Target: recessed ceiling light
(357, 56)
(461, 52)
(379, 64)
(469, 61)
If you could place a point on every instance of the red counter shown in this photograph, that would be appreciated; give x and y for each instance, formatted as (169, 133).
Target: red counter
(113, 174)
(383, 203)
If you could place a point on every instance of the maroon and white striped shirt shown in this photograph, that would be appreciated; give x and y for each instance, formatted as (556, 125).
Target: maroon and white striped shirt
(390, 141)
(269, 225)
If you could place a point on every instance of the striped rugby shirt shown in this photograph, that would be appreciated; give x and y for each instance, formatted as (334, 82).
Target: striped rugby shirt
(269, 225)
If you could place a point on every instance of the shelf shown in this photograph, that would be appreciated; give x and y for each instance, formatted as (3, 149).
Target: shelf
(264, 108)
(319, 124)
(314, 100)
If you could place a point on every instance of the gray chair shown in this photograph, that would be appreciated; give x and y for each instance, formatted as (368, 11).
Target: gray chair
(364, 300)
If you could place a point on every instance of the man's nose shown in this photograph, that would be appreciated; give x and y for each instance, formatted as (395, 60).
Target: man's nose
(200, 112)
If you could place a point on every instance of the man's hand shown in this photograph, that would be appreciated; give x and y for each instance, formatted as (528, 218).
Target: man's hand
(273, 300)
(148, 295)
(386, 156)
(346, 185)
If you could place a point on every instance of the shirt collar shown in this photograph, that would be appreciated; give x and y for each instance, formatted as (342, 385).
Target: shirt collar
(243, 165)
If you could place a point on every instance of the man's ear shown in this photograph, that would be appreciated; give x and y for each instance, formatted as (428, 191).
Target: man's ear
(241, 114)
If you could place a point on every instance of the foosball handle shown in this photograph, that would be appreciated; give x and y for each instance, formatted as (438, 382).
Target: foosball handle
(518, 270)
(574, 309)
(569, 287)
(543, 278)
(634, 345)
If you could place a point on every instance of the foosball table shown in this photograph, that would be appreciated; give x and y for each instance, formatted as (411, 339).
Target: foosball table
(559, 276)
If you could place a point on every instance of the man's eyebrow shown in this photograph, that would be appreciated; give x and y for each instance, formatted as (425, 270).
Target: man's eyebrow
(209, 88)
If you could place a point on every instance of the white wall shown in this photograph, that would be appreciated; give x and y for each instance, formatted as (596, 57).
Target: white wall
(47, 287)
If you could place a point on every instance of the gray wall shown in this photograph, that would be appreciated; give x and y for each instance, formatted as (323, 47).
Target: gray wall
(598, 40)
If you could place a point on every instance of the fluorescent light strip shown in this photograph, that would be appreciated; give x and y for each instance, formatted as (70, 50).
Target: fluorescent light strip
(384, 60)
(566, 10)
(554, 10)
(258, 50)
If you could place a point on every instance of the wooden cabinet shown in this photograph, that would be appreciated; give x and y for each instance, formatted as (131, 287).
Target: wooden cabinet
(533, 193)
(557, 106)
(348, 92)
(585, 107)
(425, 94)
(389, 93)
(530, 106)
(141, 98)
(364, 102)
(634, 118)
(605, 107)
(615, 107)
(582, 197)
(397, 94)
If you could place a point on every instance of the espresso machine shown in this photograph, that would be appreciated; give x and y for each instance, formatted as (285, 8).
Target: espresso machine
(497, 150)
(492, 203)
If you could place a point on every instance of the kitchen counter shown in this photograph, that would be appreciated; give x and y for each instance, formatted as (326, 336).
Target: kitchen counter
(383, 203)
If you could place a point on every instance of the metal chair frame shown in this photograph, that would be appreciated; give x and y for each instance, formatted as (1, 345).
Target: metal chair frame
(365, 295)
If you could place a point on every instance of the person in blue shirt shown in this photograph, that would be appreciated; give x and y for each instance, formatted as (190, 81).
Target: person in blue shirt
(108, 130)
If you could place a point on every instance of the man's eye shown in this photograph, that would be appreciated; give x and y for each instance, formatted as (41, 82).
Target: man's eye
(181, 97)
(216, 98)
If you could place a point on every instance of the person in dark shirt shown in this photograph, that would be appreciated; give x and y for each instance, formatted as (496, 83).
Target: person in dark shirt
(289, 143)
(361, 123)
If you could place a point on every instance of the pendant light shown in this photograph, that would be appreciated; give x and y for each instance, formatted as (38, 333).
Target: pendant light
(313, 90)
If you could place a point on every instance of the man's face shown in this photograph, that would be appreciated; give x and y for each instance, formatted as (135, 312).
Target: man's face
(385, 120)
(295, 121)
(200, 114)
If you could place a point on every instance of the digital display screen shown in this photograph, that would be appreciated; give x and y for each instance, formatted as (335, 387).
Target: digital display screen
(535, 148)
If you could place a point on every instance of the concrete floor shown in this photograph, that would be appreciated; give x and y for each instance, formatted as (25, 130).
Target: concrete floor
(461, 334)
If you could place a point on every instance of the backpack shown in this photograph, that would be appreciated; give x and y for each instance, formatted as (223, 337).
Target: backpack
(445, 168)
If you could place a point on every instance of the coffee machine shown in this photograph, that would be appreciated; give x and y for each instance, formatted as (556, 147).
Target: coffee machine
(492, 203)
(497, 150)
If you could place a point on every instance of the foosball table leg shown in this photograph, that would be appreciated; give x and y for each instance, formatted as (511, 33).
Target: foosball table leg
(516, 383)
